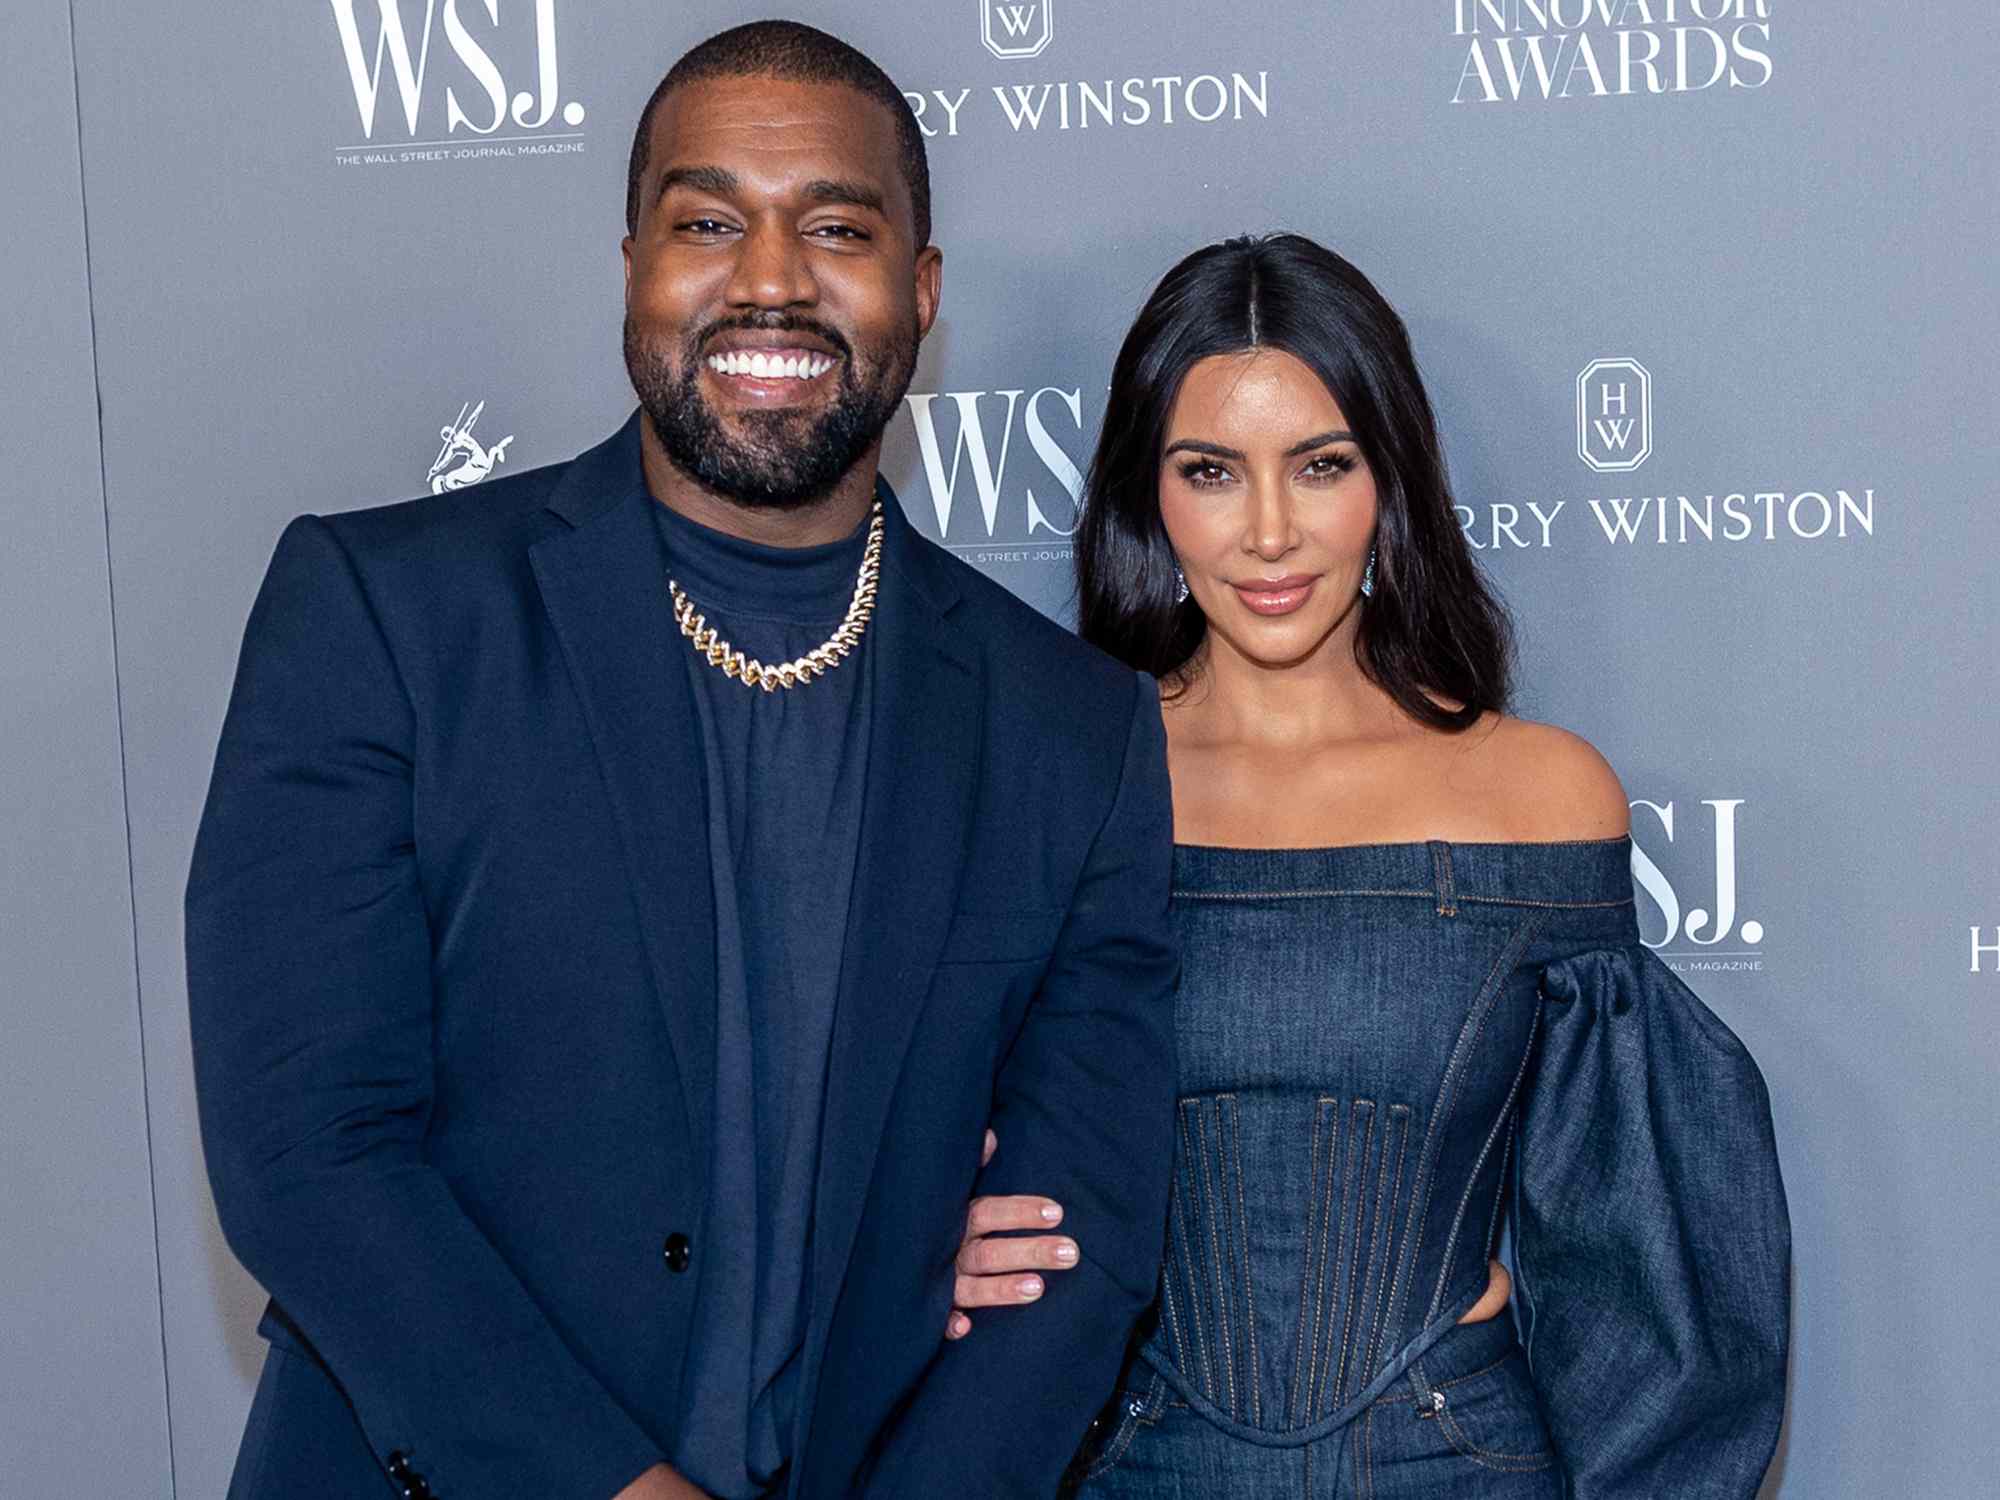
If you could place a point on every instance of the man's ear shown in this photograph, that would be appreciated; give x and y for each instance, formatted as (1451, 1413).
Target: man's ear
(625, 250)
(929, 287)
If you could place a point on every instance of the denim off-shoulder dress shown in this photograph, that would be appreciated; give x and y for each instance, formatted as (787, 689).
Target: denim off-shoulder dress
(1388, 1054)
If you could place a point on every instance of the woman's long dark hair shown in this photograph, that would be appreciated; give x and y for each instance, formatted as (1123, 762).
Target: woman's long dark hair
(1433, 629)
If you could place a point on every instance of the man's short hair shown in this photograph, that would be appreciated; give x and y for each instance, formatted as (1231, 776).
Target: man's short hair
(795, 53)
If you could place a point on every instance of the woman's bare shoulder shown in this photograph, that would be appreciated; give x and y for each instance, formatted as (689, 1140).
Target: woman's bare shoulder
(1556, 784)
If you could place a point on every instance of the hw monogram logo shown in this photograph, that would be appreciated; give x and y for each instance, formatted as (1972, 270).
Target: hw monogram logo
(1016, 28)
(1614, 415)
(407, 51)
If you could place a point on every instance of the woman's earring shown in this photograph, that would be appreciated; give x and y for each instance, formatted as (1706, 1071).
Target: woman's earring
(1180, 585)
(1368, 576)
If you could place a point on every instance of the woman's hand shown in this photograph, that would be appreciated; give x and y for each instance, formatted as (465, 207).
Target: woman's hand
(660, 1483)
(1003, 1272)
(1493, 1301)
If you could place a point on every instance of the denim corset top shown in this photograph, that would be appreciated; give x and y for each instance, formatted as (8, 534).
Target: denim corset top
(1356, 1028)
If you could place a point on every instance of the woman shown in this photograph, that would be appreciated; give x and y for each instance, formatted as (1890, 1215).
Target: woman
(1414, 1008)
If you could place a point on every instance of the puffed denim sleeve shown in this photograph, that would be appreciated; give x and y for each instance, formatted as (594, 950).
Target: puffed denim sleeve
(1651, 1237)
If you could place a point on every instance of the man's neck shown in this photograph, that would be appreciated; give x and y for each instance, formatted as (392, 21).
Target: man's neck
(827, 519)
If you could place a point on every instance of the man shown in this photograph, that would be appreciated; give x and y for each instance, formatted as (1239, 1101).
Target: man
(628, 888)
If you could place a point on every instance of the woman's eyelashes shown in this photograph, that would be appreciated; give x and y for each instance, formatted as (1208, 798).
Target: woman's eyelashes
(1321, 468)
(1205, 475)
(1332, 464)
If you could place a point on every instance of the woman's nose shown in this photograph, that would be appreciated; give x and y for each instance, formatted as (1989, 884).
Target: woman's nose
(1268, 531)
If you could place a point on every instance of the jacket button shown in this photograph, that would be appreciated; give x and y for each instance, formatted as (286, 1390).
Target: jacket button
(679, 1250)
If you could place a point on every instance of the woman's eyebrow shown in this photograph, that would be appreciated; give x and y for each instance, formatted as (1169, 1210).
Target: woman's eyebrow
(1341, 436)
(1210, 450)
(1217, 450)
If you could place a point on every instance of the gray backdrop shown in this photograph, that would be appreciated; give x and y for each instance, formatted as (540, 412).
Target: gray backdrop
(1703, 292)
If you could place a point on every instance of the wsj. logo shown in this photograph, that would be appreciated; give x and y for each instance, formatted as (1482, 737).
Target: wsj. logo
(1016, 28)
(1614, 415)
(408, 55)
(1051, 515)
(1696, 924)
(462, 461)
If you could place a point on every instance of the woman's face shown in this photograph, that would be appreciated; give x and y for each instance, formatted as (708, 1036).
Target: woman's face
(1268, 503)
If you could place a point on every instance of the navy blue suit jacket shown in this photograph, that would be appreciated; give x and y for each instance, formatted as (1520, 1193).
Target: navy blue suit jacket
(452, 978)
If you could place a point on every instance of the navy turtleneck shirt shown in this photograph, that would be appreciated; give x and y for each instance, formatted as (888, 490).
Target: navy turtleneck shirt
(785, 773)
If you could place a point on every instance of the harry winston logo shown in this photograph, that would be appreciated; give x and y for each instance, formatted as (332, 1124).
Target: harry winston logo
(1016, 28)
(1614, 415)
(1986, 948)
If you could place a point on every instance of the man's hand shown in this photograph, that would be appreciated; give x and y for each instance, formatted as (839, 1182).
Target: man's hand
(659, 1483)
(990, 1271)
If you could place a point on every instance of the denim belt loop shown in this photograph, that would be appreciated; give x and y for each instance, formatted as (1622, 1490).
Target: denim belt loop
(1447, 898)
(1420, 1388)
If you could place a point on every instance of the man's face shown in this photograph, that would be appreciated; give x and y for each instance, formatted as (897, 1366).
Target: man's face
(774, 295)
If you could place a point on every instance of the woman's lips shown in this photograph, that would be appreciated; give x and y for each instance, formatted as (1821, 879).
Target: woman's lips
(1276, 596)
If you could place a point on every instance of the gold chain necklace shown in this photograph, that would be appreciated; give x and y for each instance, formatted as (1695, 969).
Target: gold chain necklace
(800, 669)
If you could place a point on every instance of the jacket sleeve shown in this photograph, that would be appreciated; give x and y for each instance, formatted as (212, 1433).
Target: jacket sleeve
(1651, 1237)
(1084, 1111)
(309, 993)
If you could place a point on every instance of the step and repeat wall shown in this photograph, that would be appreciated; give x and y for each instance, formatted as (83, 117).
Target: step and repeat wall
(1703, 291)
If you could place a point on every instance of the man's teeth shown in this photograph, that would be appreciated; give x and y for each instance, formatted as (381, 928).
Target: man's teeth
(771, 366)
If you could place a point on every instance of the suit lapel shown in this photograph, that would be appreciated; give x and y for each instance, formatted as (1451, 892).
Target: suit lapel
(603, 583)
(923, 768)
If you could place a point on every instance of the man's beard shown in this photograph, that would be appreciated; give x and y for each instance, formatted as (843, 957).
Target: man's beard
(785, 457)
